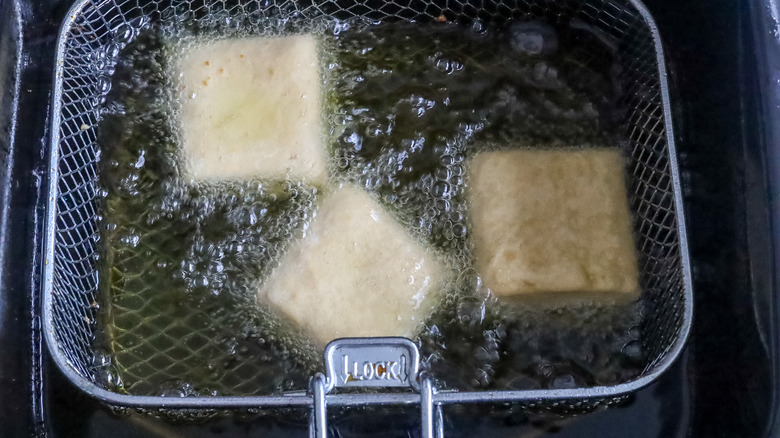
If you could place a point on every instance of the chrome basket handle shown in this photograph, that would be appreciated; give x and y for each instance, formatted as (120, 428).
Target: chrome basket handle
(374, 362)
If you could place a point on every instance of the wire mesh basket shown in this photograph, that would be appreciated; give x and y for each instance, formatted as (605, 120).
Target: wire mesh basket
(82, 81)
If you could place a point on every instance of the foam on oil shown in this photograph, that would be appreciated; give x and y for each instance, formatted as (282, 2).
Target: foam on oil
(406, 106)
(182, 258)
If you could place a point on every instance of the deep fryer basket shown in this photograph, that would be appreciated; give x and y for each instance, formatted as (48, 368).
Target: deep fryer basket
(70, 271)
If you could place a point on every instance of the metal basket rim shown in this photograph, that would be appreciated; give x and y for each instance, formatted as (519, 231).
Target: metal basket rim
(301, 399)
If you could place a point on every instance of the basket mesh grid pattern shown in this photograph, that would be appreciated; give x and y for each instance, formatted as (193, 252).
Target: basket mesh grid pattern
(100, 29)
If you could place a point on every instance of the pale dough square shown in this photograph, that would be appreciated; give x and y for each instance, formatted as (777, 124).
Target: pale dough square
(552, 222)
(250, 107)
(356, 272)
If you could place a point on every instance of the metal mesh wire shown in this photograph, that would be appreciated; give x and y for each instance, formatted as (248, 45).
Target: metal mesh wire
(99, 30)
